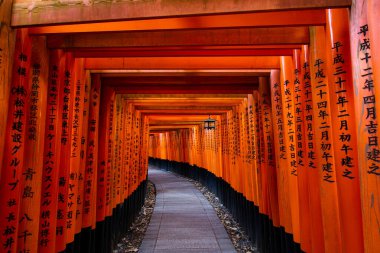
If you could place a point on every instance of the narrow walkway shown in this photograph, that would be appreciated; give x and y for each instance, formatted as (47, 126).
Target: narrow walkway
(183, 220)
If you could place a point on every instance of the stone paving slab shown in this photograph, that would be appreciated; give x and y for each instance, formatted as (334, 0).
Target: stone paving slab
(182, 220)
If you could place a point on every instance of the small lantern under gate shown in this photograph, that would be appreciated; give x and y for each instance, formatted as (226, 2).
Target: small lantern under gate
(210, 123)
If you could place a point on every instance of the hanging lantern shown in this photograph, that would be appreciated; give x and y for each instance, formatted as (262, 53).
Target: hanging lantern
(210, 123)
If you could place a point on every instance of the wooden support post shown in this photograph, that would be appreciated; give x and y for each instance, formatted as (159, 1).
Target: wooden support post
(344, 129)
(52, 154)
(254, 147)
(287, 92)
(269, 154)
(14, 145)
(67, 103)
(86, 86)
(303, 185)
(280, 152)
(311, 161)
(75, 175)
(90, 184)
(34, 147)
(324, 140)
(365, 76)
(7, 43)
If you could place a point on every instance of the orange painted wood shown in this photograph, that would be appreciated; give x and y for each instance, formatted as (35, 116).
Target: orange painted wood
(51, 154)
(342, 100)
(261, 163)
(246, 150)
(287, 91)
(232, 62)
(53, 13)
(86, 80)
(7, 43)
(261, 19)
(303, 184)
(91, 165)
(14, 149)
(254, 148)
(373, 12)
(269, 150)
(75, 175)
(311, 162)
(68, 90)
(106, 110)
(198, 37)
(324, 140)
(366, 89)
(34, 147)
(280, 152)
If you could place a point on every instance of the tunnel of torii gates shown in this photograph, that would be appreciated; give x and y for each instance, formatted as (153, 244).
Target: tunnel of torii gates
(90, 89)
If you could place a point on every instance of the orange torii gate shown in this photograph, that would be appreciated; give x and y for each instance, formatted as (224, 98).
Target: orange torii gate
(294, 155)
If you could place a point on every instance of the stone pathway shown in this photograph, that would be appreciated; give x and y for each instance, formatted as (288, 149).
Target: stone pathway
(183, 220)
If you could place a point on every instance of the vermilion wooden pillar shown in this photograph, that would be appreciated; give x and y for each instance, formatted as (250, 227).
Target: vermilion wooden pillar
(107, 100)
(344, 128)
(311, 161)
(365, 77)
(261, 203)
(287, 92)
(265, 103)
(7, 43)
(14, 149)
(91, 165)
(302, 166)
(262, 174)
(34, 147)
(51, 154)
(75, 176)
(324, 140)
(68, 90)
(280, 152)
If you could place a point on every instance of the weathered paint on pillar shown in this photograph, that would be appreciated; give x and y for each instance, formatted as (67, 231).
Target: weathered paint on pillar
(67, 103)
(265, 103)
(14, 149)
(365, 91)
(102, 176)
(51, 154)
(89, 199)
(316, 223)
(324, 140)
(303, 184)
(287, 92)
(7, 43)
(34, 147)
(344, 128)
(280, 152)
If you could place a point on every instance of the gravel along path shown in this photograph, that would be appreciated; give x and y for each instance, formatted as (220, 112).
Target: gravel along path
(236, 233)
(132, 240)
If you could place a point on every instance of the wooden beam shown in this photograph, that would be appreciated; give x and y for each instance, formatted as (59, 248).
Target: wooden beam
(181, 72)
(139, 97)
(105, 53)
(204, 37)
(63, 12)
(262, 19)
(190, 88)
(183, 84)
(184, 63)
